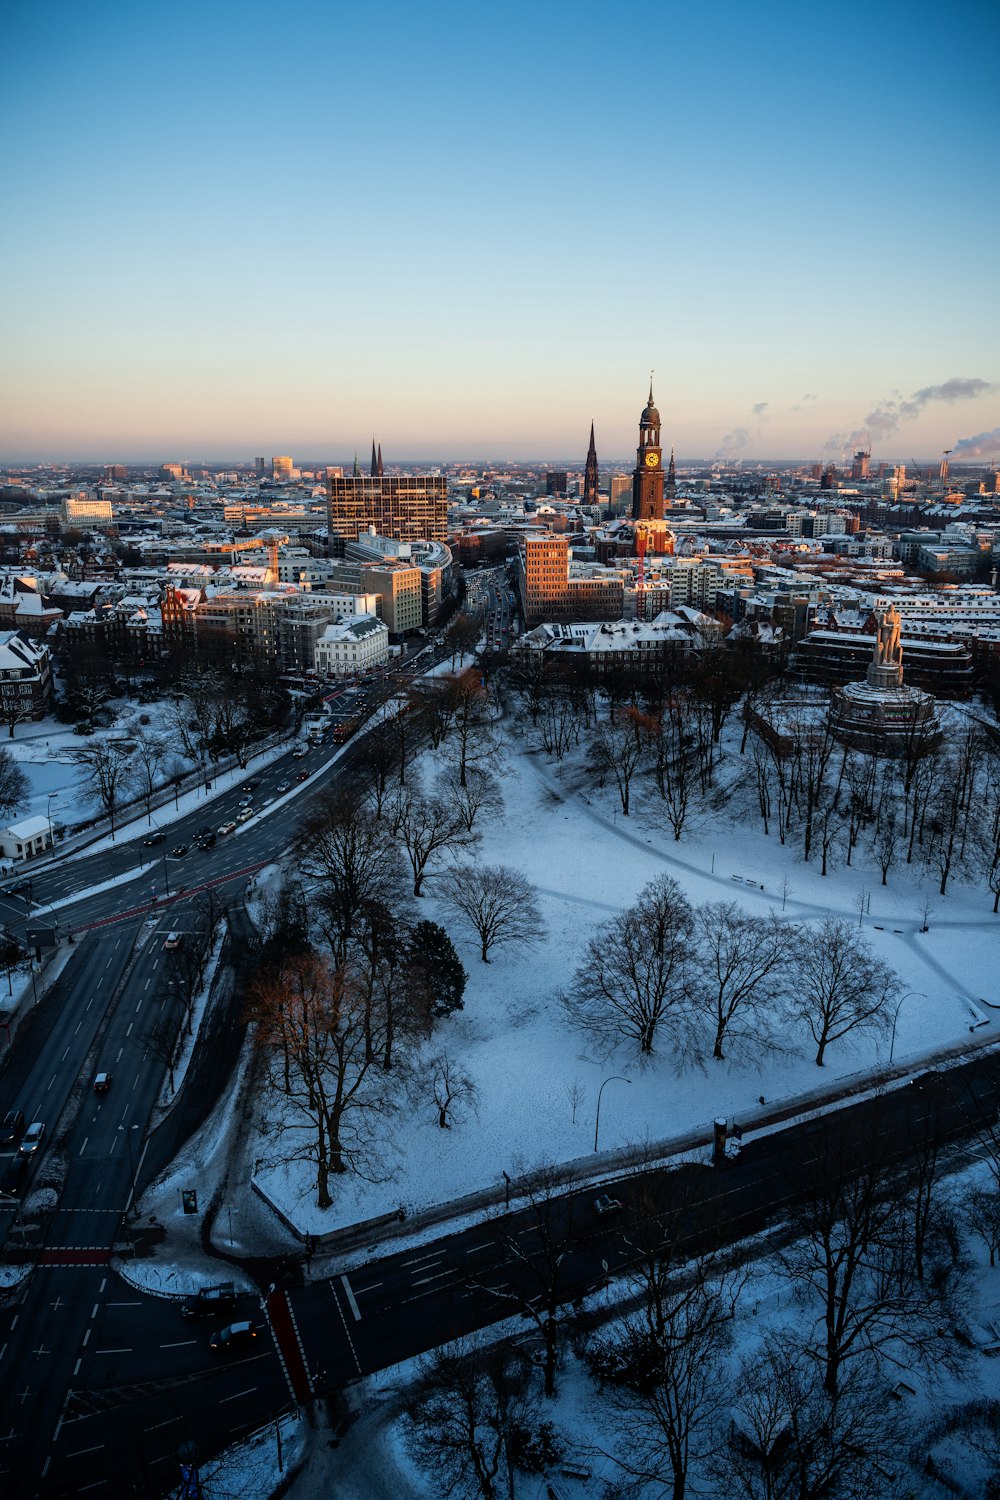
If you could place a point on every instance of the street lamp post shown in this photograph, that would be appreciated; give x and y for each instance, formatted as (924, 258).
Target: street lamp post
(48, 814)
(615, 1078)
(895, 1018)
(128, 1129)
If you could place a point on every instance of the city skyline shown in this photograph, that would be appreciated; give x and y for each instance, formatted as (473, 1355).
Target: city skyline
(230, 232)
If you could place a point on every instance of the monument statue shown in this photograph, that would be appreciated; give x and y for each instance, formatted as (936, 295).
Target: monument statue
(888, 652)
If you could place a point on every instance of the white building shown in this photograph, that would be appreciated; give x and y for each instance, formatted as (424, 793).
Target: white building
(352, 646)
(23, 840)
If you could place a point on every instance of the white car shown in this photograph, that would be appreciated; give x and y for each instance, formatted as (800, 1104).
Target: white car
(32, 1139)
(282, 786)
(226, 827)
(172, 940)
(245, 815)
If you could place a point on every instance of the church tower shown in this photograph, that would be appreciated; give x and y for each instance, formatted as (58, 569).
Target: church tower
(590, 490)
(647, 478)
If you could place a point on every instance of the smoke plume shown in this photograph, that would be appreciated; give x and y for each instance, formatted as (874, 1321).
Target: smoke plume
(889, 415)
(983, 445)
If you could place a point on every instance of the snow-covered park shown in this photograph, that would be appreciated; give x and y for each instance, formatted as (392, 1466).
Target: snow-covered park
(536, 1078)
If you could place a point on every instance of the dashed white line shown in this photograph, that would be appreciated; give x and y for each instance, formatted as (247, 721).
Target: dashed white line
(248, 1392)
(86, 1337)
(84, 1146)
(54, 1076)
(182, 1345)
(130, 1025)
(119, 1057)
(76, 1367)
(94, 1313)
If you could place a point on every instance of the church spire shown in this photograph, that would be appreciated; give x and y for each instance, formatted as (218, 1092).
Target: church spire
(671, 485)
(590, 476)
(374, 468)
(357, 467)
(380, 460)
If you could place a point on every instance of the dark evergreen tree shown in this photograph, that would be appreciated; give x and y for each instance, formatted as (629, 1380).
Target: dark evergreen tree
(433, 962)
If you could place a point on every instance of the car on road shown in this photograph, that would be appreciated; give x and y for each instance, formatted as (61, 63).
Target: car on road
(154, 838)
(13, 1178)
(178, 851)
(607, 1205)
(102, 1082)
(282, 786)
(210, 1299)
(205, 840)
(245, 815)
(300, 752)
(32, 1138)
(225, 828)
(250, 786)
(246, 802)
(172, 940)
(302, 776)
(203, 833)
(12, 1128)
(20, 889)
(236, 1336)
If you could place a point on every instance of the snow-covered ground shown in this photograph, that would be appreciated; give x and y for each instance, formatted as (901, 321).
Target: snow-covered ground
(588, 862)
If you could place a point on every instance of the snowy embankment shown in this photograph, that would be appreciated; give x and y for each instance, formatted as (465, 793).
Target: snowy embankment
(588, 863)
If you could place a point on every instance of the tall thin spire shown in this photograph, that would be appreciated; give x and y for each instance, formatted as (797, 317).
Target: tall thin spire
(374, 470)
(380, 460)
(357, 467)
(651, 388)
(671, 485)
(590, 476)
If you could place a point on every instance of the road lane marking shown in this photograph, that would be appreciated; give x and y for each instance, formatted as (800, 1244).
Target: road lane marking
(63, 1058)
(86, 1338)
(89, 1003)
(81, 1451)
(119, 1057)
(168, 1423)
(183, 1343)
(448, 1271)
(84, 1146)
(113, 1351)
(352, 1300)
(103, 1284)
(146, 987)
(371, 1286)
(94, 1313)
(137, 1007)
(54, 1076)
(130, 1025)
(76, 1367)
(248, 1392)
(475, 1249)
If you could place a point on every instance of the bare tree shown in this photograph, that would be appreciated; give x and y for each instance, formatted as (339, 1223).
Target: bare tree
(151, 754)
(886, 841)
(479, 799)
(354, 858)
(379, 765)
(161, 1041)
(453, 1089)
(313, 1015)
(14, 785)
(463, 1413)
(740, 969)
(841, 985)
(981, 1212)
(619, 749)
(429, 828)
(575, 1093)
(499, 903)
(790, 1440)
(664, 1366)
(107, 770)
(635, 973)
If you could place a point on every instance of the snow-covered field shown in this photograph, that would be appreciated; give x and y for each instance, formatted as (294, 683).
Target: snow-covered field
(588, 863)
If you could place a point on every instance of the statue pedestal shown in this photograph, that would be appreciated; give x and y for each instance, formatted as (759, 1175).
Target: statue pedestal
(885, 677)
(886, 718)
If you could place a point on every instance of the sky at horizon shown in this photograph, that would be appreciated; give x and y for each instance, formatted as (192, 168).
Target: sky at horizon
(238, 230)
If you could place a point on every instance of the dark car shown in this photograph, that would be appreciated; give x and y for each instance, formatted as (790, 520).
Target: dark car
(206, 841)
(210, 1299)
(13, 1178)
(302, 776)
(178, 851)
(21, 889)
(12, 1128)
(202, 833)
(102, 1083)
(236, 1336)
(607, 1205)
(154, 838)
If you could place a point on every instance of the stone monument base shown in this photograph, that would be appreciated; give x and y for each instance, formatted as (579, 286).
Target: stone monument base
(887, 719)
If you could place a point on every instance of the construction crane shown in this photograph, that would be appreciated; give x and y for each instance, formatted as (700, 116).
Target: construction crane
(916, 469)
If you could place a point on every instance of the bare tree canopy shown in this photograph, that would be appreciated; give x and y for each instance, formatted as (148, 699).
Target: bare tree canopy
(499, 904)
(352, 855)
(840, 984)
(635, 973)
(739, 971)
(14, 785)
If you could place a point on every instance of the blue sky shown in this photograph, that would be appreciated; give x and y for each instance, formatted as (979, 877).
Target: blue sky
(239, 229)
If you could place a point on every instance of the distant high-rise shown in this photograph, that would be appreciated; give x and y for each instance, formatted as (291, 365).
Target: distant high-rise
(406, 507)
(115, 472)
(556, 482)
(591, 494)
(647, 479)
(281, 467)
(260, 467)
(860, 464)
(619, 493)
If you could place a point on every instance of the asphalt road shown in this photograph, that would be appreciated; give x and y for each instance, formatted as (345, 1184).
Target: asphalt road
(121, 1432)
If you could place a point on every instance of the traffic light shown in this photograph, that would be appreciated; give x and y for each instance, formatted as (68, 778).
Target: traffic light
(189, 1201)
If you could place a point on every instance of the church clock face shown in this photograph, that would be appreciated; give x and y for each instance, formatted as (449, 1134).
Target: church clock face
(652, 459)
